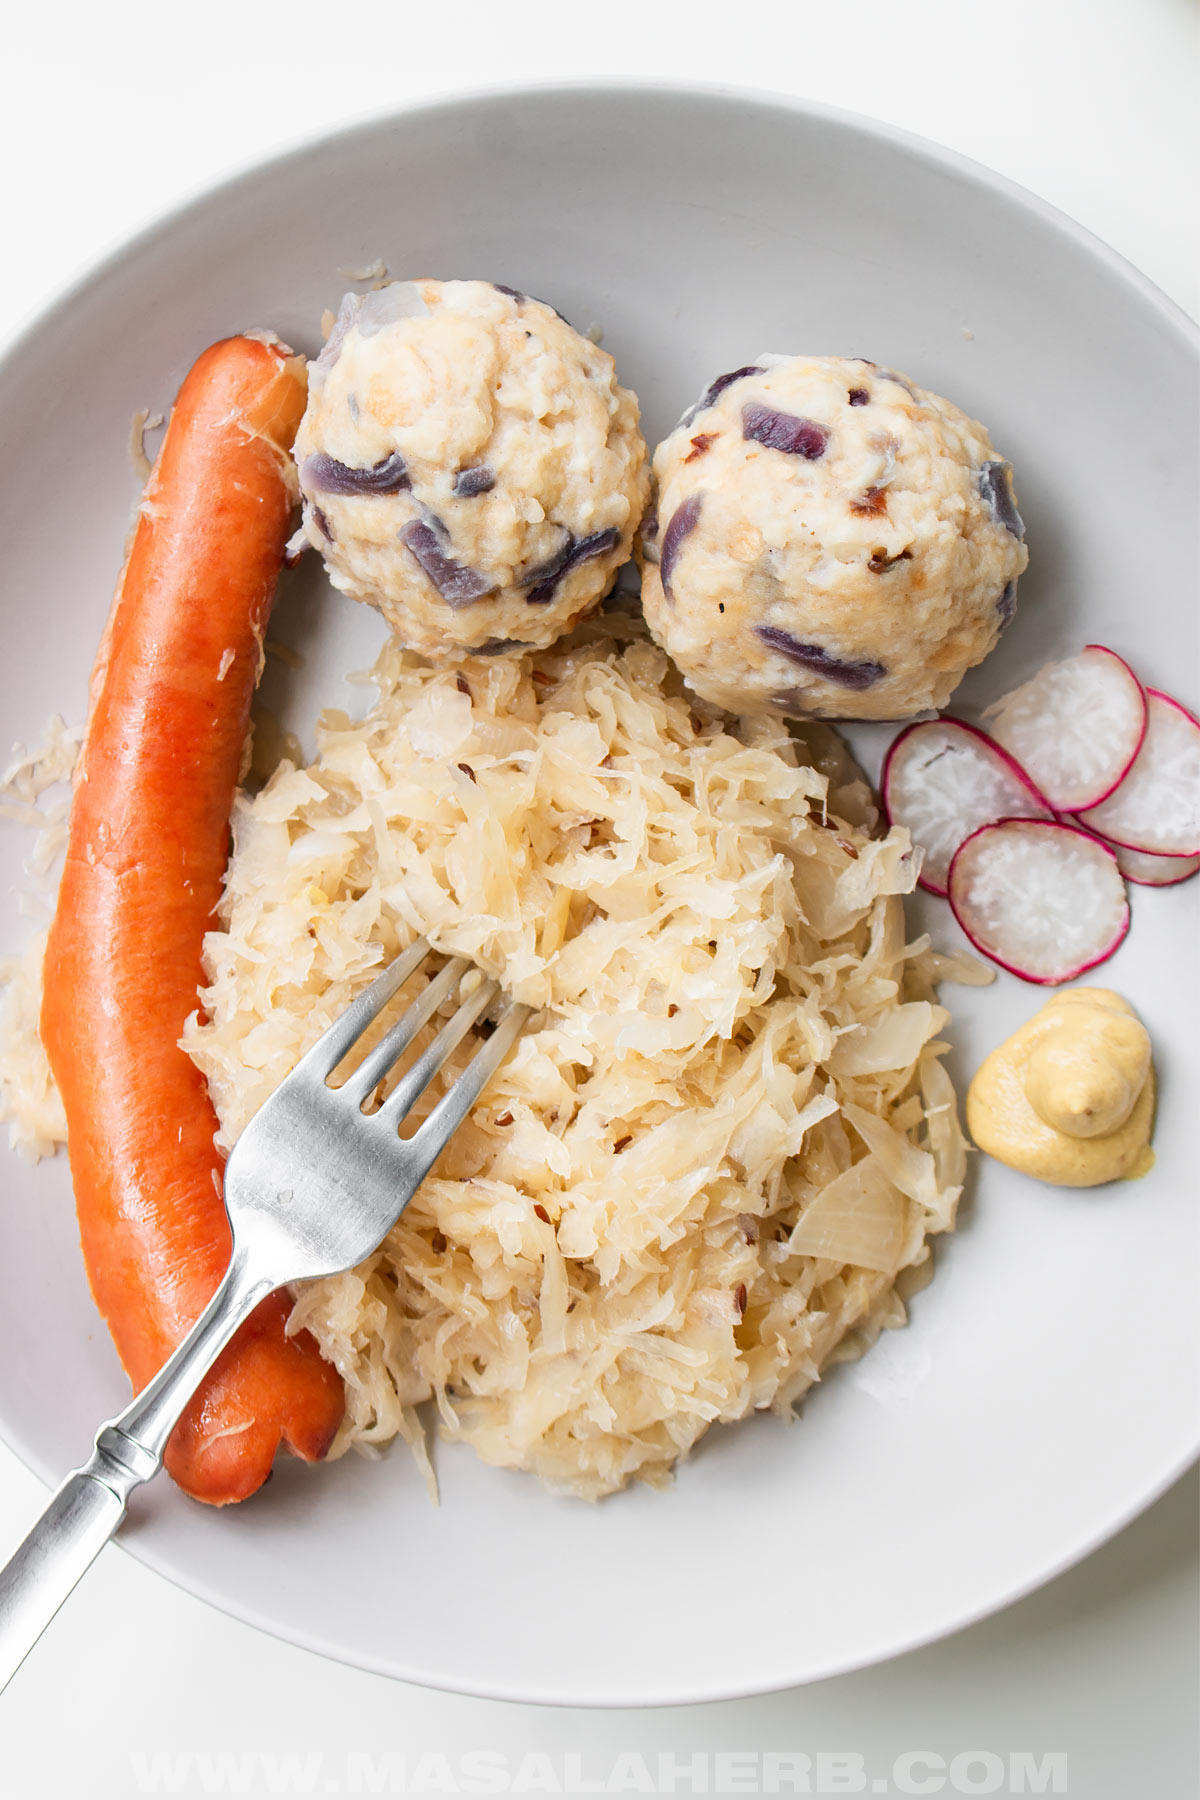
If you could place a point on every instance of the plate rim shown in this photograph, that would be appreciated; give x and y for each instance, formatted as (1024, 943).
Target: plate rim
(964, 168)
(249, 169)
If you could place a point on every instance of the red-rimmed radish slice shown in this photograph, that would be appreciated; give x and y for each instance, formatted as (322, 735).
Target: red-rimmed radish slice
(1075, 727)
(1145, 870)
(1044, 900)
(942, 780)
(1156, 809)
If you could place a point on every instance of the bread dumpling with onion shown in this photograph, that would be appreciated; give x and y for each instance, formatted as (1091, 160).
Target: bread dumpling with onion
(469, 464)
(828, 540)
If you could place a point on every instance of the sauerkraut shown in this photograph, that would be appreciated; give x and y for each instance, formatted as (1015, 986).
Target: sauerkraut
(724, 1135)
(34, 793)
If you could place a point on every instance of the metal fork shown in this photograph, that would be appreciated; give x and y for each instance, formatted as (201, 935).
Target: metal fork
(312, 1186)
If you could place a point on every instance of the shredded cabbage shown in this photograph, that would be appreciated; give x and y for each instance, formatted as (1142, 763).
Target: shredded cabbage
(727, 1130)
(33, 793)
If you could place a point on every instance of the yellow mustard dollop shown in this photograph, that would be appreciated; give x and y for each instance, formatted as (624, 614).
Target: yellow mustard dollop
(1069, 1098)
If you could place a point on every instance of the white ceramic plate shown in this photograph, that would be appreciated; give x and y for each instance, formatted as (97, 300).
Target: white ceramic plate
(1043, 1393)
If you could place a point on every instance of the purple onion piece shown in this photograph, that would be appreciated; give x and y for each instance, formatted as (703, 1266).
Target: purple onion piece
(543, 580)
(1006, 605)
(683, 520)
(649, 534)
(387, 305)
(498, 646)
(342, 325)
(369, 313)
(575, 551)
(477, 480)
(859, 396)
(322, 524)
(715, 389)
(784, 431)
(518, 296)
(995, 489)
(455, 582)
(856, 675)
(891, 375)
(325, 475)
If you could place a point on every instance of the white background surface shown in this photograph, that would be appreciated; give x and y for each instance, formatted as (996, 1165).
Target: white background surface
(116, 114)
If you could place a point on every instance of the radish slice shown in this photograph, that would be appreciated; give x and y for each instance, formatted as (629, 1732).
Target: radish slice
(1157, 807)
(1044, 900)
(1154, 871)
(942, 780)
(1075, 728)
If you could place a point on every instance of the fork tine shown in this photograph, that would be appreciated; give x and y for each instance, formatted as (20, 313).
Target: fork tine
(428, 1143)
(329, 1049)
(415, 1080)
(390, 1048)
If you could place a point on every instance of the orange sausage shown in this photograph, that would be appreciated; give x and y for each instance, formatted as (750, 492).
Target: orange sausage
(170, 704)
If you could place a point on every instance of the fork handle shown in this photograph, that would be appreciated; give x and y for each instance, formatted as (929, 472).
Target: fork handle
(86, 1510)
